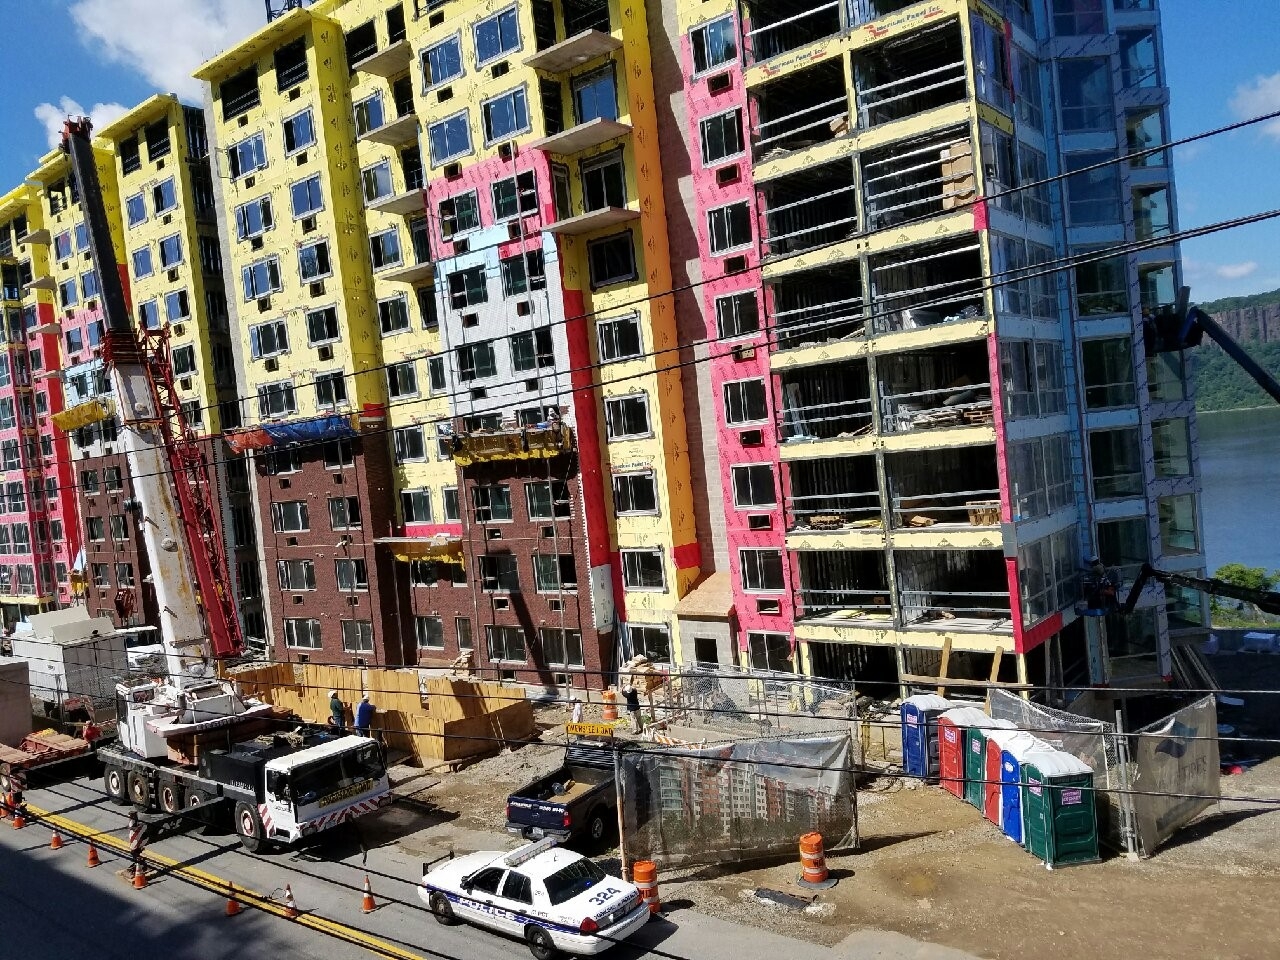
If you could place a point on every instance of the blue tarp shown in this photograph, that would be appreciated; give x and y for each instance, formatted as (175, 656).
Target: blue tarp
(333, 427)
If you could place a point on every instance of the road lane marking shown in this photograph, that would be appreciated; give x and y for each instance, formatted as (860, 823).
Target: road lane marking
(223, 887)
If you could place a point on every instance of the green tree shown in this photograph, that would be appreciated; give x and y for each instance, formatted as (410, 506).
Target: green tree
(1251, 578)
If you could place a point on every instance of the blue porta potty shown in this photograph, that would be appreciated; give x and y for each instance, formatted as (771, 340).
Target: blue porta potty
(1014, 749)
(920, 733)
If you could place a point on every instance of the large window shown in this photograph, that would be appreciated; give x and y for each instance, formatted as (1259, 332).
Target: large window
(357, 636)
(268, 339)
(651, 641)
(459, 214)
(1172, 445)
(429, 632)
(1139, 66)
(302, 633)
(449, 138)
(1117, 463)
(1178, 530)
(468, 288)
(322, 326)
(635, 493)
(296, 575)
(729, 227)
(595, 96)
(643, 570)
(492, 502)
(290, 516)
(261, 279)
(619, 338)
(604, 182)
(442, 62)
(352, 574)
(496, 36)
(721, 137)
(1085, 91)
(299, 132)
(522, 273)
(515, 195)
(409, 444)
(1143, 131)
(393, 315)
(1032, 377)
(247, 156)
(1167, 377)
(770, 652)
(369, 114)
(560, 647)
(1108, 373)
(505, 115)
(753, 486)
(611, 259)
(306, 197)
(276, 399)
(1102, 285)
(505, 644)
(627, 416)
(402, 380)
(376, 181)
(761, 570)
(384, 249)
(313, 261)
(1093, 196)
(164, 196)
(1124, 544)
(737, 315)
(415, 506)
(344, 513)
(476, 361)
(1073, 18)
(548, 499)
(499, 573)
(553, 572)
(714, 43)
(745, 402)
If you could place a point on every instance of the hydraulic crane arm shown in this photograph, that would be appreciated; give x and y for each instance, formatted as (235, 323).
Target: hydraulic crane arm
(1263, 599)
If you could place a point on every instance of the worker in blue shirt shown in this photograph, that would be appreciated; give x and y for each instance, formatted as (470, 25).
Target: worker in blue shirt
(364, 716)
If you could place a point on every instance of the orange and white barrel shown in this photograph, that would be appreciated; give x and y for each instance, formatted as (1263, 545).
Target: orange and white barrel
(644, 874)
(813, 862)
(610, 698)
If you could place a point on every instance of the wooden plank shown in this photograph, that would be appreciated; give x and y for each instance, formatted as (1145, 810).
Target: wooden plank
(995, 672)
(942, 667)
(916, 679)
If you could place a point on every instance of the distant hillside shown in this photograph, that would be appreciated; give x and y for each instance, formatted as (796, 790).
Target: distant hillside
(1254, 321)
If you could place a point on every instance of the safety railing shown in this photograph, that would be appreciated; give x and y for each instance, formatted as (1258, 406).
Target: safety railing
(906, 96)
(974, 508)
(834, 511)
(771, 39)
(932, 409)
(784, 132)
(838, 419)
(813, 221)
(817, 603)
(938, 606)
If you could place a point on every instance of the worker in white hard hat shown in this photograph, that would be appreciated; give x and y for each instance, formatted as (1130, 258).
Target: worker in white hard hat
(364, 716)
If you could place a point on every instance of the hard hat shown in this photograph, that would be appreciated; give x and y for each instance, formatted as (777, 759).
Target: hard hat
(333, 693)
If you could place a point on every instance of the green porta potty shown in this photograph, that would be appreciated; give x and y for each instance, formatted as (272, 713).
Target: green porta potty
(1058, 808)
(975, 759)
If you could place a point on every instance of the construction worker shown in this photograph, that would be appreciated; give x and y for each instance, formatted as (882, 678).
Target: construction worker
(337, 711)
(577, 712)
(364, 716)
(632, 696)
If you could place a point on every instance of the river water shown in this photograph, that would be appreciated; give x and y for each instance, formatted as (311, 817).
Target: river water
(1240, 468)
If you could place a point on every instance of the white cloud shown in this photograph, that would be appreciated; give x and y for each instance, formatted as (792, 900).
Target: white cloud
(164, 40)
(53, 116)
(1236, 271)
(1259, 97)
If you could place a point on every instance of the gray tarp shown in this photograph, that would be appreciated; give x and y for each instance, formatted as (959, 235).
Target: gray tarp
(1168, 758)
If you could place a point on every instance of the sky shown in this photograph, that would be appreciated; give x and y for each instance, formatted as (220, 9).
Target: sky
(1221, 62)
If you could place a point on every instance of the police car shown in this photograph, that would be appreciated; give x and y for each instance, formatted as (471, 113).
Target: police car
(553, 899)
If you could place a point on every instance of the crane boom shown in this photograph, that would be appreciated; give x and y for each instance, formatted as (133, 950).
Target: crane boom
(1263, 599)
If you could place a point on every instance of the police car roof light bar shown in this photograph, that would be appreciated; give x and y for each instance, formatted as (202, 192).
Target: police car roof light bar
(529, 851)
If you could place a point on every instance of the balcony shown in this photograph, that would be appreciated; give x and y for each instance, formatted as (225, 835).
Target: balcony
(386, 63)
(927, 284)
(935, 389)
(582, 136)
(834, 494)
(953, 590)
(574, 52)
(539, 441)
(811, 208)
(918, 178)
(831, 402)
(951, 494)
(909, 75)
(848, 588)
(394, 133)
(801, 110)
(45, 282)
(402, 204)
(38, 238)
(818, 306)
(593, 220)
(422, 268)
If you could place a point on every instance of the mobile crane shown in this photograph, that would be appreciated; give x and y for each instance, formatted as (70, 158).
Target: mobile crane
(177, 746)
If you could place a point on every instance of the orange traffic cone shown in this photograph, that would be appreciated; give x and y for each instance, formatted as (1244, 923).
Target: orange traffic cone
(290, 908)
(139, 877)
(6, 800)
(55, 842)
(93, 855)
(19, 821)
(368, 906)
(233, 905)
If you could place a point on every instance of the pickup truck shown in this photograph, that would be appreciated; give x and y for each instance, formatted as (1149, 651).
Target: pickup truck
(577, 800)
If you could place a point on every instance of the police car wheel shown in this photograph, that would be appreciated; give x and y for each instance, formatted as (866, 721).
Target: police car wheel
(540, 943)
(249, 827)
(443, 910)
(113, 782)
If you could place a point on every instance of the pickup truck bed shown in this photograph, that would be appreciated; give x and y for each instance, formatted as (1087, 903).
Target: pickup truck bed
(577, 799)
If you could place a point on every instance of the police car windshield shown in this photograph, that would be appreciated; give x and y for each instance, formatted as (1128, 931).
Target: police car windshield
(568, 882)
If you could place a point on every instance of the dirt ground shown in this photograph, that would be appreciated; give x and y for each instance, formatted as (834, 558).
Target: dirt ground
(930, 867)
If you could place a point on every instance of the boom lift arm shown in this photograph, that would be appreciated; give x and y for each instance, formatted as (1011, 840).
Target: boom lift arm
(1262, 599)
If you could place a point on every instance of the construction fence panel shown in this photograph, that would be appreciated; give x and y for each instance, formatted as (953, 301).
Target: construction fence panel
(738, 801)
(1176, 774)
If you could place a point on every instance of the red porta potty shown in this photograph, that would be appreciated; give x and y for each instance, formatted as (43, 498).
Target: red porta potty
(951, 739)
(998, 741)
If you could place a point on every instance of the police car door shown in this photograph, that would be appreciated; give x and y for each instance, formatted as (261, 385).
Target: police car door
(481, 897)
(517, 899)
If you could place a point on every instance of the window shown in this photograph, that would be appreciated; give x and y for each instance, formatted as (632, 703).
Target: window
(627, 416)
(554, 572)
(254, 218)
(1117, 463)
(449, 138)
(1102, 285)
(1093, 196)
(499, 573)
(611, 259)
(531, 350)
(1139, 66)
(290, 516)
(753, 486)
(124, 574)
(393, 315)
(164, 196)
(1125, 544)
(331, 390)
(306, 197)
(714, 43)
(761, 570)
(1178, 528)
(643, 570)
(1108, 373)
(369, 114)
(560, 648)
(1152, 215)
(436, 376)
(176, 306)
(515, 195)
(184, 361)
(430, 632)
(505, 643)
(744, 402)
(247, 156)
(522, 273)
(770, 652)
(261, 279)
(415, 506)
(442, 62)
(505, 116)
(1166, 377)
(384, 248)
(299, 132)
(322, 326)
(1172, 446)
(112, 479)
(409, 444)
(729, 227)
(142, 266)
(136, 209)
(548, 500)
(313, 261)
(476, 361)
(101, 574)
(737, 315)
(62, 245)
(296, 574)
(402, 380)
(595, 95)
(291, 64)
(1142, 132)
(619, 338)
(467, 288)
(352, 574)
(344, 513)
(1085, 93)
(376, 181)
(496, 36)
(276, 399)
(451, 510)
(651, 641)
(74, 339)
(269, 339)
(1073, 18)
(604, 182)
(302, 633)
(357, 636)
(459, 214)
(721, 137)
(492, 502)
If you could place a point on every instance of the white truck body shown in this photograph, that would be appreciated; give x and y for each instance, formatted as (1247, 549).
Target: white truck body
(70, 655)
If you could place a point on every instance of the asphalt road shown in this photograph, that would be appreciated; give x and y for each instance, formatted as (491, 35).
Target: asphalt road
(54, 906)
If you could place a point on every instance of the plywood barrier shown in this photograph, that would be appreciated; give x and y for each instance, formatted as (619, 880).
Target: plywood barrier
(433, 718)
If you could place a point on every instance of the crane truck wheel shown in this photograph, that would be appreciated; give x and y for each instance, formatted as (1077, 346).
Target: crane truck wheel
(170, 797)
(249, 827)
(114, 783)
(139, 789)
